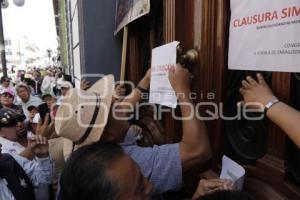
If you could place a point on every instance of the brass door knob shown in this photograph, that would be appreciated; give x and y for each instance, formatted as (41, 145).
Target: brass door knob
(191, 56)
(188, 58)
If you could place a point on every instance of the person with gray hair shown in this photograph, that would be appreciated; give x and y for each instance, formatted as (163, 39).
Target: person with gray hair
(25, 98)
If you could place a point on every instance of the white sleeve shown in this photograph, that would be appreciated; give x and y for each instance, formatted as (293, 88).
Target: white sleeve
(5, 193)
(38, 170)
(46, 84)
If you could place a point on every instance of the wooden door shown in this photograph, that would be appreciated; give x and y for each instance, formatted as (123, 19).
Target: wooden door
(260, 146)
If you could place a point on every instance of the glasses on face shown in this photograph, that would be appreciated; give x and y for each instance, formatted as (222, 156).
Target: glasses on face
(7, 96)
(6, 80)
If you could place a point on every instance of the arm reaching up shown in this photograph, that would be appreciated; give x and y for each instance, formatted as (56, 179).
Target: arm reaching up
(135, 96)
(40, 169)
(45, 128)
(284, 116)
(194, 146)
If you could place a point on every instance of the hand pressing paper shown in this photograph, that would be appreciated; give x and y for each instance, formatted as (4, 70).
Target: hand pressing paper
(233, 171)
(163, 60)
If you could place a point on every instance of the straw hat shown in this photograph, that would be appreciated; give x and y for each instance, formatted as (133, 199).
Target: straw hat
(82, 115)
(66, 84)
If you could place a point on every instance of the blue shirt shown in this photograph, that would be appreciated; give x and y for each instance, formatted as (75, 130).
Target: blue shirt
(39, 171)
(161, 165)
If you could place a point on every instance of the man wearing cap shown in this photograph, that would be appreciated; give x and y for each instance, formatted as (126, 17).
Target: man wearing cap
(26, 99)
(13, 132)
(85, 117)
(33, 156)
(7, 101)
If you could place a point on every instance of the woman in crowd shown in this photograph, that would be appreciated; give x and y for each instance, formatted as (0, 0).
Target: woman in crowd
(5, 85)
(7, 101)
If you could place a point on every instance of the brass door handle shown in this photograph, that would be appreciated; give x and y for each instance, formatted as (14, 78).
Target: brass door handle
(188, 58)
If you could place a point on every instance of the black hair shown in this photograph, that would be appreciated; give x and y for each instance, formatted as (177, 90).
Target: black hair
(29, 82)
(227, 195)
(67, 78)
(3, 78)
(85, 173)
(22, 77)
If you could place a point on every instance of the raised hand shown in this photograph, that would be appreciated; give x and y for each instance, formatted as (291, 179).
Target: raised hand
(39, 146)
(256, 92)
(180, 79)
(84, 85)
(44, 128)
(119, 93)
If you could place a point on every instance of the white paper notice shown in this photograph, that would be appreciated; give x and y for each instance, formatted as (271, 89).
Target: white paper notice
(163, 60)
(233, 171)
(264, 35)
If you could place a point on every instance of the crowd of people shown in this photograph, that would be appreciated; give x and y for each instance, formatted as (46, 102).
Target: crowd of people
(80, 150)
(25, 165)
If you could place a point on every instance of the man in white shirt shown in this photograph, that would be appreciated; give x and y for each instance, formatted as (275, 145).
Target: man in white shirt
(33, 158)
(30, 173)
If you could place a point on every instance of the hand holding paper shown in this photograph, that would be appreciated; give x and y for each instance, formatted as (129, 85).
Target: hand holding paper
(180, 79)
(233, 171)
(163, 60)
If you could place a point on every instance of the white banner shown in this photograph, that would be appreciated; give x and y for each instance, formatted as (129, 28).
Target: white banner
(265, 35)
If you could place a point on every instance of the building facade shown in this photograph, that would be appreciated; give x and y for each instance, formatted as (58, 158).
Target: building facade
(91, 48)
(21, 51)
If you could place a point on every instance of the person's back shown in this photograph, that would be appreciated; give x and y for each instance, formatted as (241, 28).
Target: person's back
(14, 183)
